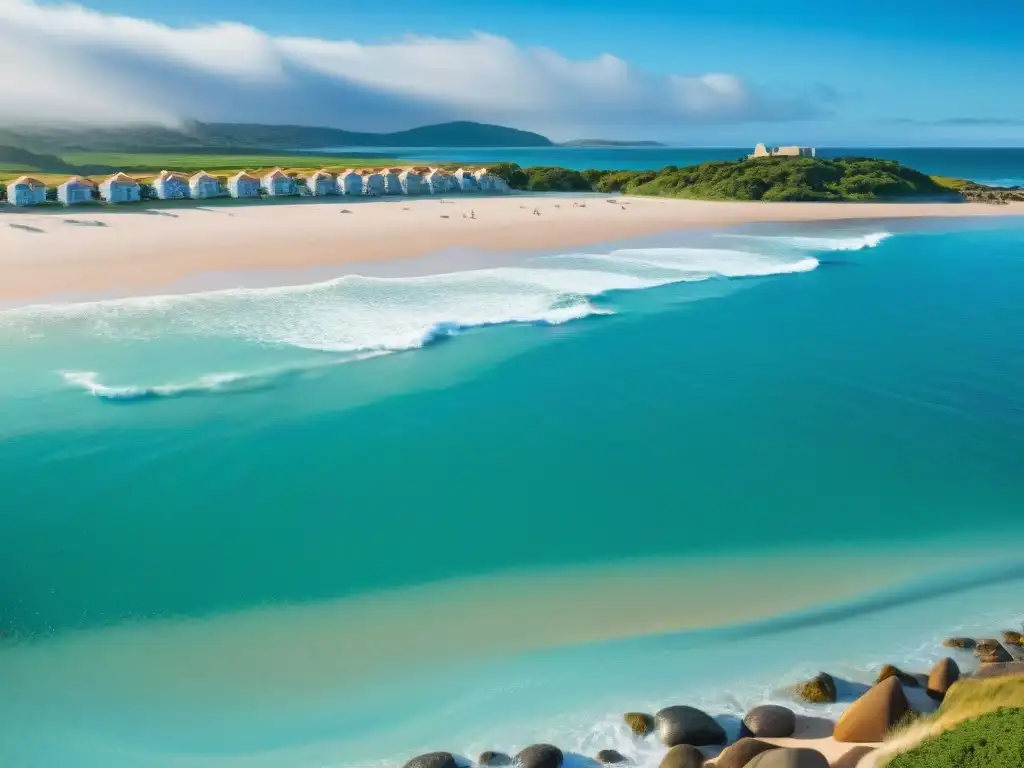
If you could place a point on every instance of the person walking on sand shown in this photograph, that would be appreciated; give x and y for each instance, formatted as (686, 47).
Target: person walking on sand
(472, 213)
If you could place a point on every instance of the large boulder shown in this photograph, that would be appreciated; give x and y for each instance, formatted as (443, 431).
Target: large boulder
(682, 756)
(789, 758)
(1013, 638)
(610, 757)
(741, 753)
(991, 652)
(432, 760)
(904, 677)
(958, 642)
(943, 675)
(687, 725)
(820, 689)
(639, 722)
(1001, 670)
(770, 721)
(539, 756)
(852, 758)
(491, 758)
(873, 714)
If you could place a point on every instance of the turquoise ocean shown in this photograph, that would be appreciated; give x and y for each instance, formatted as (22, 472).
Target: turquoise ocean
(340, 523)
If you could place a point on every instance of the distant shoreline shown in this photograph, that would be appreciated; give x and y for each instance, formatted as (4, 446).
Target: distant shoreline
(147, 248)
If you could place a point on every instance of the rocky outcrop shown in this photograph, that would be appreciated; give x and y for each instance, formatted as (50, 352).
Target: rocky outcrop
(820, 689)
(432, 760)
(873, 714)
(610, 757)
(490, 758)
(852, 758)
(904, 677)
(770, 721)
(682, 756)
(741, 753)
(991, 651)
(687, 725)
(943, 675)
(976, 193)
(639, 722)
(1001, 670)
(539, 756)
(958, 642)
(1013, 638)
(789, 758)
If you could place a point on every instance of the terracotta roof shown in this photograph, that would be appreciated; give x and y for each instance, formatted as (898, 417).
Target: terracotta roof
(121, 178)
(28, 180)
(201, 176)
(244, 176)
(277, 173)
(322, 173)
(80, 180)
(347, 171)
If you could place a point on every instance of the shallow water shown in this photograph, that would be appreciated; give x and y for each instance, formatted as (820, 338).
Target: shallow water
(336, 524)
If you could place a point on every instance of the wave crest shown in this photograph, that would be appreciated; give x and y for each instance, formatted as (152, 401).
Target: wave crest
(820, 243)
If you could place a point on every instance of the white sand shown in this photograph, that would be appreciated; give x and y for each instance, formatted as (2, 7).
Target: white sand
(90, 250)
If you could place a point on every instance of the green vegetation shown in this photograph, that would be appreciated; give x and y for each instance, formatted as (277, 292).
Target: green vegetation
(771, 178)
(993, 740)
(228, 138)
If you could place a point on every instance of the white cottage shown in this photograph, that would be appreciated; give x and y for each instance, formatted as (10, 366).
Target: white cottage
(392, 182)
(120, 188)
(322, 183)
(25, 190)
(171, 186)
(373, 182)
(243, 184)
(202, 186)
(438, 182)
(277, 183)
(350, 182)
(465, 180)
(76, 190)
(412, 181)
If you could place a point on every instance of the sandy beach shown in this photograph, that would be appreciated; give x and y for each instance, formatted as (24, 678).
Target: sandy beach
(139, 250)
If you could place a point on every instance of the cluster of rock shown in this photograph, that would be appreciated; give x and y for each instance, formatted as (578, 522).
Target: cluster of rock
(684, 730)
(993, 195)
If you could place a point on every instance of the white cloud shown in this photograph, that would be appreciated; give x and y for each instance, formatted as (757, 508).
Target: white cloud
(75, 63)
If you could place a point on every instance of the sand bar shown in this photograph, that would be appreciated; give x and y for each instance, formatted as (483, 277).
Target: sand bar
(140, 250)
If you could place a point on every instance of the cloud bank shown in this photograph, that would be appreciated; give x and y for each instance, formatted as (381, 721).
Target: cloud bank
(75, 64)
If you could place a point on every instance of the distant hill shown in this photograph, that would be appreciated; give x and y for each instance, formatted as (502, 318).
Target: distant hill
(611, 143)
(245, 137)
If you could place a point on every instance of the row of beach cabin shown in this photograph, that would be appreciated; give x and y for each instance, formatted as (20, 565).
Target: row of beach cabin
(121, 188)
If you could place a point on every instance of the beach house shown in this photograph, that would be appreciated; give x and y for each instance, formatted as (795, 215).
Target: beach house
(25, 190)
(350, 182)
(76, 190)
(120, 188)
(202, 186)
(321, 183)
(412, 181)
(762, 151)
(373, 182)
(243, 184)
(392, 182)
(171, 186)
(438, 182)
(465, 181)
(277, 183)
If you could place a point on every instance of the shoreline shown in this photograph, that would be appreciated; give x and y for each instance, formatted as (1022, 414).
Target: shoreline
(62, 256)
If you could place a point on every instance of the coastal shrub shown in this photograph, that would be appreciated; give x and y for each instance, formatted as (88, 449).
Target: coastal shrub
(3, 191)
(513, 175)
(993, 740)
(51, 194)
(554, 179)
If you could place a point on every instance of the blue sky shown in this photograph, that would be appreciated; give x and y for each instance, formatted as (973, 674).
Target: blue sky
(896, 72)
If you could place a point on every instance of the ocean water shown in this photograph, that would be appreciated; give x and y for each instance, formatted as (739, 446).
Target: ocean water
(342, 523)
(998, 166)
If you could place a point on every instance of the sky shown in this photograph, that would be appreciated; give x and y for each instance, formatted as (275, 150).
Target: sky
(694, 72)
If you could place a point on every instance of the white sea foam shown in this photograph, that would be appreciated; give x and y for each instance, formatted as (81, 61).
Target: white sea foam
(819, 244)
(89, 381)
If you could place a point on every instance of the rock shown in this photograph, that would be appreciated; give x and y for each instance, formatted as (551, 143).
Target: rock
(640, 723)
(682, 756)
(789, 758)
(818, 690)
(943, 675)
(904, 677)
(770, 721)
(432, 760)
(1001, 670)
(873, 714)
(852, 758)
(958, 642)
(687, 725)
(539, 756)
(741, 753)
(1013, 638)
(493, 758)
(610, 757)
(991, 652)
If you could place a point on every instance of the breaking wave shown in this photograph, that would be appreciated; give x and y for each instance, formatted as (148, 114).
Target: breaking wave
(820, 244)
